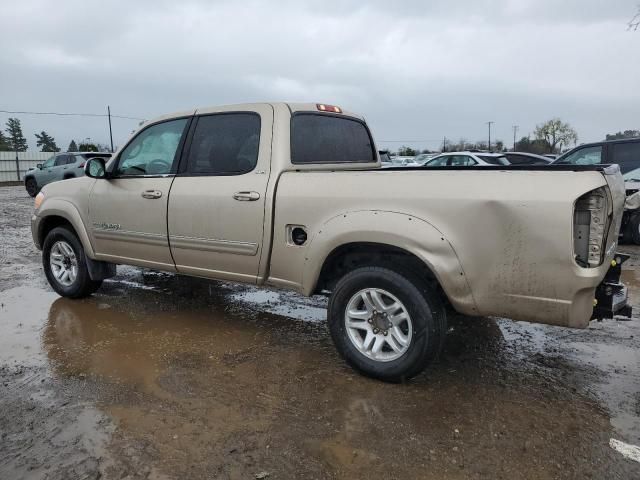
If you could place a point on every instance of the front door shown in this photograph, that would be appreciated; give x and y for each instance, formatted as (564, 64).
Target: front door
(128, 211)
(217, 201)
(44, 175)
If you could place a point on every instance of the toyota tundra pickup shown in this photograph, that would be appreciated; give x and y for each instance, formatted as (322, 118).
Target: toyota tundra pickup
(292, 196)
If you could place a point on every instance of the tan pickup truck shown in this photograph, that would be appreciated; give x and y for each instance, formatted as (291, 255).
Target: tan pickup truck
(292, 196)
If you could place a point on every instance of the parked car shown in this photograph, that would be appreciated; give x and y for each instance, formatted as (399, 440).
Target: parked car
(524, 158)
(467, 159)
(403, 161)
(626, 154)
(551, 156)
(423, 158)
(385, 158)
(60, 166)
(293, 196)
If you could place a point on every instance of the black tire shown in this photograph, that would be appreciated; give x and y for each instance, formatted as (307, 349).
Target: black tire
(633, 227)
(423, 305)
(82, 286)
(31, 186)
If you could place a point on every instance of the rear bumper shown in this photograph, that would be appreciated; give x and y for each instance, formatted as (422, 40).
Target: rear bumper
(611, 294)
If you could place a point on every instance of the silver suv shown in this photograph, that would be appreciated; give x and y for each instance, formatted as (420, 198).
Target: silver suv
(60, 166)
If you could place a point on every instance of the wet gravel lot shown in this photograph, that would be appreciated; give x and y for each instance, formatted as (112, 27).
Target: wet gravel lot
(165, 377)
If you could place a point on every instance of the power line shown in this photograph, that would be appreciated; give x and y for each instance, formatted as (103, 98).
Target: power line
(66, 114)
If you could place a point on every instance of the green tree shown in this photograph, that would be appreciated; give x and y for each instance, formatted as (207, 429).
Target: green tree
(406, 152)
(88, 147)
(47, 142)
(525, 144)
(72, 146)
(17, 142)
(556, 133)
(4, 142)
(621, 135)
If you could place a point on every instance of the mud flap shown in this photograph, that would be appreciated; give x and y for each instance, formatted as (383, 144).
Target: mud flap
(611, 294)
(100, 270)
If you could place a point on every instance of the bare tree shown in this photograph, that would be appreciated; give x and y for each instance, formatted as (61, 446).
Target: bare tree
(556, 133)
(634, 23)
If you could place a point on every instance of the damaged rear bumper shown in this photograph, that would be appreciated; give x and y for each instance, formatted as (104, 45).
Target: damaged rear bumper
(611, 294)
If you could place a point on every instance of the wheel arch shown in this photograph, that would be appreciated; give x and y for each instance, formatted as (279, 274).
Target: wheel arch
(61, 213)
(353, 239)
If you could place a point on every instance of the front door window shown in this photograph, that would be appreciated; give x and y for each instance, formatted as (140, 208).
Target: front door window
(153, 151)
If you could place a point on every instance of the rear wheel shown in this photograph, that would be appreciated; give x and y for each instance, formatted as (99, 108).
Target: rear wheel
(386, 324)
(65, 265)
(31, 186)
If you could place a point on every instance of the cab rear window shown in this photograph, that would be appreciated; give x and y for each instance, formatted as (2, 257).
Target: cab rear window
(321, 138)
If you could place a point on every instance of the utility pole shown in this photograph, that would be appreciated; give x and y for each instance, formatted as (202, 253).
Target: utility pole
(515, 129)
(17, 164)
(489, 123)
(444, 144)
(110, 132)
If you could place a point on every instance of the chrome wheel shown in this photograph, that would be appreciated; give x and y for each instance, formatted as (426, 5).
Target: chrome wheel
(63, 263)
(378, 325)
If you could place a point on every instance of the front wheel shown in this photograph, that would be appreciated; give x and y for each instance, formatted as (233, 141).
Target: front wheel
(387, 325)
(65, 264)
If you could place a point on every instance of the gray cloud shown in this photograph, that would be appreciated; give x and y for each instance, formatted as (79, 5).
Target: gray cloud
(417, 70)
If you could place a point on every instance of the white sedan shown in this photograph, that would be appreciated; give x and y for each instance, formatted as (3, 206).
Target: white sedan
(467, 159)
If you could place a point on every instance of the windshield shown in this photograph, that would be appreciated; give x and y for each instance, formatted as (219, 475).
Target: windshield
(495, 159)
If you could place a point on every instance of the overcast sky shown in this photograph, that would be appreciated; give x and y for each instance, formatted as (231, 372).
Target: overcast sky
(416, 70)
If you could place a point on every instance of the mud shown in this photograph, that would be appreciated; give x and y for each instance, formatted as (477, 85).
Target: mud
(164, 377)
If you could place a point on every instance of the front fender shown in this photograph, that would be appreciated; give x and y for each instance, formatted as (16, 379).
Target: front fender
(410, 233)
(64, 209)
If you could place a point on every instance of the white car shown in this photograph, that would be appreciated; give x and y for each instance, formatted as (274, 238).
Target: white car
(402, 161)
(467, 159)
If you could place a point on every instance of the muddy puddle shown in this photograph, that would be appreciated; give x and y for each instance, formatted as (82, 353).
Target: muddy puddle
(185, 378)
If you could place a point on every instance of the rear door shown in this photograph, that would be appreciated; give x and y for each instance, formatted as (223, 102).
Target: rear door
(217, 201)
(128, 211)
(625, 154)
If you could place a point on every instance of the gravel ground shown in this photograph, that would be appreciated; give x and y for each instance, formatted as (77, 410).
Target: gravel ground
(165, 377)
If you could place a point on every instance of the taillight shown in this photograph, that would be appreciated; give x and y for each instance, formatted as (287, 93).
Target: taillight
(590, 220)
(328, 108)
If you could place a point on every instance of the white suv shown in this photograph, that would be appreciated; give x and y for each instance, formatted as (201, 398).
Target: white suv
(467, 159)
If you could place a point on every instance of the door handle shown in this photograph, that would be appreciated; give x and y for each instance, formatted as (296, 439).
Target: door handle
(151, 194)
(246, 196)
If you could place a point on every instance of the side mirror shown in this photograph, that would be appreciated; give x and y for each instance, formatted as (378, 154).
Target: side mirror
(39, 166)
(95, 168)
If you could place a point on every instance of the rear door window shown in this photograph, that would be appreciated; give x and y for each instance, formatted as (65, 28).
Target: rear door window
(317, 138)
(627, 155)
(224, 144)
(61, 160)
(462, 161)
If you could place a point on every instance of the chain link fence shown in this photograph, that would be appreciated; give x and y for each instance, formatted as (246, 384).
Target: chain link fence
(14, 165)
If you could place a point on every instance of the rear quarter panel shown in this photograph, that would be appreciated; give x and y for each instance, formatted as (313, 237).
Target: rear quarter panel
(499, 241)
